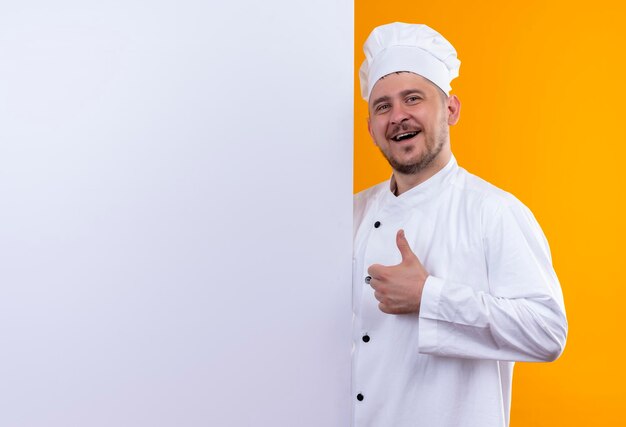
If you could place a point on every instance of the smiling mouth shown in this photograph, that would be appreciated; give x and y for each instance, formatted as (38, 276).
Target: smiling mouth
(404, 136)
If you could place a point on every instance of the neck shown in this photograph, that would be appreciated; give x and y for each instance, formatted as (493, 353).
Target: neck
(406, 182)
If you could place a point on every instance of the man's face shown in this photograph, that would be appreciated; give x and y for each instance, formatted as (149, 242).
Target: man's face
(409, 119)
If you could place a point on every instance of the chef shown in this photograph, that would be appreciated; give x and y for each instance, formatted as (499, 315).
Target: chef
(453, 278)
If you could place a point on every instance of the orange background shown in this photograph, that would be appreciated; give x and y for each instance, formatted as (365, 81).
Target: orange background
(542, 87)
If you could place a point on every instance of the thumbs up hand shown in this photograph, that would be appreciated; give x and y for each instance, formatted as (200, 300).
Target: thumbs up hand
(398, 288)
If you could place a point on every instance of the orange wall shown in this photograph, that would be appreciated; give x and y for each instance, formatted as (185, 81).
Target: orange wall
(543, 87)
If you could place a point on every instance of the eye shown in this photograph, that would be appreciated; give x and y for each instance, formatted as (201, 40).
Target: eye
(412, 99)
(380, 108)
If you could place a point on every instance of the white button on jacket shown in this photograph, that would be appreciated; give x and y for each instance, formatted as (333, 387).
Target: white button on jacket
(492, 298)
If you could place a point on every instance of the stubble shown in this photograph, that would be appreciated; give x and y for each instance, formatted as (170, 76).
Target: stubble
(433, 146)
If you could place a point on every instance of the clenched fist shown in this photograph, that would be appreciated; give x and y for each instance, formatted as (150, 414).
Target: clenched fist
(398, 288)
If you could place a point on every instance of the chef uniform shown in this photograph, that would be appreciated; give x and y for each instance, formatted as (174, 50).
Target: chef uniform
(491, 298)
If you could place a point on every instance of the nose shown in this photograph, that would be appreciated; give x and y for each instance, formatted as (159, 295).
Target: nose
(399, 114)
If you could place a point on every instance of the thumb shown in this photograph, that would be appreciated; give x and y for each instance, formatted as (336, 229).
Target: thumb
(403, 246)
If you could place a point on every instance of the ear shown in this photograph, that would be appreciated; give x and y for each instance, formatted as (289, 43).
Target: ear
(454, 110)
(369, 127)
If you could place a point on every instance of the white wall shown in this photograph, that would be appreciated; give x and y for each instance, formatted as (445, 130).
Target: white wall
(175, 213)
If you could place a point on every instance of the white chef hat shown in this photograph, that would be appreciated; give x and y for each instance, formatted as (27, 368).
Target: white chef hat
(408, 47)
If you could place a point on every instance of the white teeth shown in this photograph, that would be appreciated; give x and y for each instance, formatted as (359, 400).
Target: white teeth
(404, 135)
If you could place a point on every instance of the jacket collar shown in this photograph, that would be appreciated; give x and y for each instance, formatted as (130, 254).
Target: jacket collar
(427, 189)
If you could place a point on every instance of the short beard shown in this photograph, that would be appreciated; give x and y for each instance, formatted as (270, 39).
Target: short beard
(422, 163)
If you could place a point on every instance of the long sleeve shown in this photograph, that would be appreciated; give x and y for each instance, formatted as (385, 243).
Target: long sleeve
(520, 318)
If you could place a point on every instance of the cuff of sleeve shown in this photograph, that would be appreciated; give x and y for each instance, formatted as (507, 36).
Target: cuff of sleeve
(429, 313)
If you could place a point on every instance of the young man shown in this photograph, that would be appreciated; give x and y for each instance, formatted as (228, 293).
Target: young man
(453, 279)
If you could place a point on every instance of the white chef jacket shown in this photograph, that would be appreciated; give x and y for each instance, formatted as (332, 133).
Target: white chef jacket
(492, 298)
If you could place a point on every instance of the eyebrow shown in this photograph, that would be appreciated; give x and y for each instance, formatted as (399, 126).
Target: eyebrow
(381, 99)
(402, 94)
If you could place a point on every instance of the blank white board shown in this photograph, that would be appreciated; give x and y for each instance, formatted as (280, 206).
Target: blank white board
(175, 213)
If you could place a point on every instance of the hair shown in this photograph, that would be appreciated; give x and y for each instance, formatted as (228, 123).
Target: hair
(442, 95)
